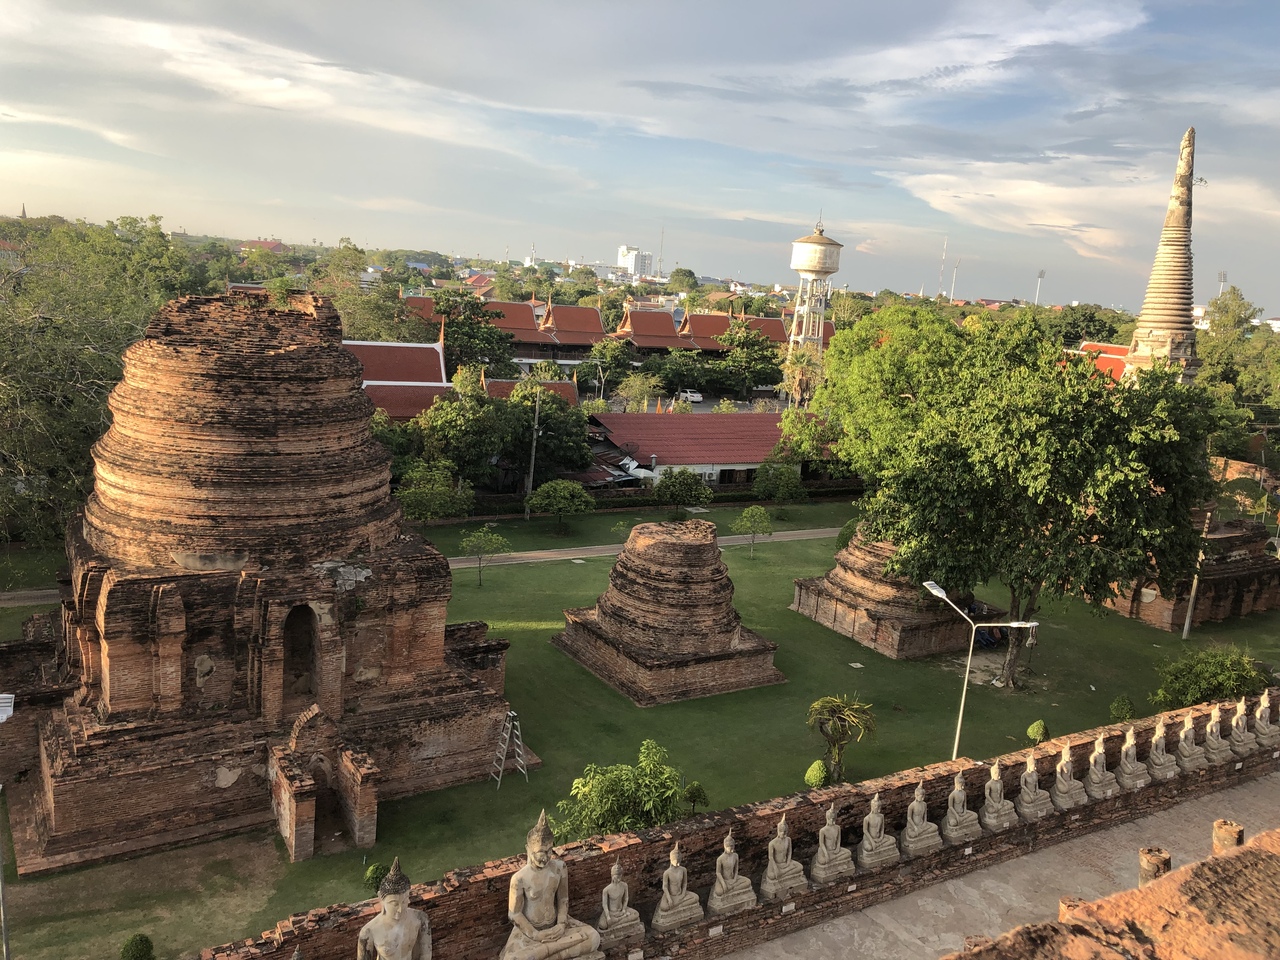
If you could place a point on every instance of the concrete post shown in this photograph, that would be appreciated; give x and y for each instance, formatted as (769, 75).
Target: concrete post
(1227, 835)
(1153, 863)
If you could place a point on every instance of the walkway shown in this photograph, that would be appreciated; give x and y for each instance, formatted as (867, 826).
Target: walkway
(27, 598)
(934, 921)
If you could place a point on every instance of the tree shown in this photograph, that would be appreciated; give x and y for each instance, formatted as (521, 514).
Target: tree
(754, 522)
(681, 369)
(484, 545)
(562, 433)
(724, 405)
(636, 390)
(1033, 468)
(138, 947)
(470, 336)
(682, 280)
(469, 431)
(695, 795)
(802, 374)
(564, 498)
(1230, 312)
(433, 491)
(840, 720)
(777, 481)
(751, 360)
(373, 877)
(681, 488)
(545, 370)
(1213, 673)
(612, 358)
(622, 797)
(584, 275)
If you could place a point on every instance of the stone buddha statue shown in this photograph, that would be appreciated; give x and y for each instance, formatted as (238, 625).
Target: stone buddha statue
(961, 824)
(1216, 749)
(731, 892)
(1132, 775)
(1242, 742)
(679, 905)
(619, 920)
(783, 876)
(920, 836)
(1099, 782)
(996, 813)
(1032, 803)
(1190, 754)
(1066, 791)
(399, 932)
(1160, 764)
(876, 847)
(832, 861)
(1266, 732)
(538, 907)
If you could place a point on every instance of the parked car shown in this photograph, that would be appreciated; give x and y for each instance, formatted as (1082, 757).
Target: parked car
(692, 396)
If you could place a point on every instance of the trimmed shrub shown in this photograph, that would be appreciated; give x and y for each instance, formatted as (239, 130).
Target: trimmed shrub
(846, 534)
(138, 947)
(1038, 732)
(817, 775)
(1121, 709)
(373, 877)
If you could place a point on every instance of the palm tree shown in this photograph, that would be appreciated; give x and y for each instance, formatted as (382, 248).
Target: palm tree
(801, 374)
(840, 720)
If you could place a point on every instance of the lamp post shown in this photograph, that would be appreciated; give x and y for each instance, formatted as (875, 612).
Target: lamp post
(6, 711)
(941, 594)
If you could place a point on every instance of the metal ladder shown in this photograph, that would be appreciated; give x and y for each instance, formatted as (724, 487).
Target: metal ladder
(510, 732)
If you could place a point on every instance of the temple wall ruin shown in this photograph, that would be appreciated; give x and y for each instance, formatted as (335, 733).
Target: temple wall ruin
(467, 907)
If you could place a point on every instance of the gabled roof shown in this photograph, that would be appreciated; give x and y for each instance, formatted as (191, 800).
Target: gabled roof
(703, 328)
(573, 326)
(518, 320)
(425, 307)
(404, 401)
(566, 389)
(651, 328)
(417, 363)
(1106, 349)
(771, 327)
(1110, 358)
(682, 439)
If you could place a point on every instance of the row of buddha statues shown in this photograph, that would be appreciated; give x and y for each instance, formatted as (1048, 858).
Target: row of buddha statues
(538, 898)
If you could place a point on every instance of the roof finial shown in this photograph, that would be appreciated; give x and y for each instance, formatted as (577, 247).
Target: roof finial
(818, 228)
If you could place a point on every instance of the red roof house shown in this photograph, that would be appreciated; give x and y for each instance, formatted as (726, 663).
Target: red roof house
(651, 329)
(518, 320)
(574, 326)
(712, 441)
(703, 328)
(418, 363)
(771, 327)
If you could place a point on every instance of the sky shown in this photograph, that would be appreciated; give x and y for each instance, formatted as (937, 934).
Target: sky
(1026, 135)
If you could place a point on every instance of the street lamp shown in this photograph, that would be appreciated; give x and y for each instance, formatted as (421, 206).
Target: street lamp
(6, 711)
(941, 594)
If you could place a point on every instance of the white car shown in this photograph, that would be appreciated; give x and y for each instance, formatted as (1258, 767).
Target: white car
(692, 396)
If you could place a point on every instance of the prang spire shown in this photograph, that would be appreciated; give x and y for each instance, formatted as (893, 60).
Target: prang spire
(1165, 329)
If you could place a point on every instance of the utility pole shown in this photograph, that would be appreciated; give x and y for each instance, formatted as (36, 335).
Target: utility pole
(533, 449)
(4, 922)
(1039, 277)
(954, 271)
(1222, 281)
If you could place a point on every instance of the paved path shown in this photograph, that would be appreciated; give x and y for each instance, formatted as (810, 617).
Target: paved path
(26, 598)
(934, 921)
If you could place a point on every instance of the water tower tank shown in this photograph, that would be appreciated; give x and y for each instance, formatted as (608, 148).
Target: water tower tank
(816, 256)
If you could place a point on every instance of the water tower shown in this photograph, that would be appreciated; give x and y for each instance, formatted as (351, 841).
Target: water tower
(815, 257)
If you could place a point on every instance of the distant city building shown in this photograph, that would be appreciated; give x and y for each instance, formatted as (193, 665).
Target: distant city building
(634, 261)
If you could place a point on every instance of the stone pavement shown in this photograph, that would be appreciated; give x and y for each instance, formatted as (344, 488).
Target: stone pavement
(24, 598)
(935, 921)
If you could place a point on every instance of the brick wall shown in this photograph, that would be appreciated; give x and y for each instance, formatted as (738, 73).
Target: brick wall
(467, 908)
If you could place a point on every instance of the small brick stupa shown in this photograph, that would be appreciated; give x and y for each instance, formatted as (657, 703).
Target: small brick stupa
(255, 637)
(666, 629)
(885, 613)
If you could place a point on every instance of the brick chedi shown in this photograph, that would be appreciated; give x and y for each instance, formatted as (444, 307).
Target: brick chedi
(256, 638)
(859, 600)
(666, 628)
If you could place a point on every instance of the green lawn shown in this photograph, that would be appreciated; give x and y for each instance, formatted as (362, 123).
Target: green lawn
(29, 567)
(11, 619)
(744, 746)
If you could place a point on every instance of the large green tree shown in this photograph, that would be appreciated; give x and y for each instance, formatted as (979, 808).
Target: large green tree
(751, 360)
(470, 336)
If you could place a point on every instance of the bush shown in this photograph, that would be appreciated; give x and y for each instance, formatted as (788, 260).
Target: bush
(1212, 673)
(374, 876)
(1121, 709)
(817, 776)
(695, 795)
(846, 534)
(138, 947)
(1038, 732)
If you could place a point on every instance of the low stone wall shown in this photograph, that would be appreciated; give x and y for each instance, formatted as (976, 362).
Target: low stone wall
(467, 908)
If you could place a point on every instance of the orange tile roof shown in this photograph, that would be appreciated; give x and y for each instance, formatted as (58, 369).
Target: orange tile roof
(573, 326)
(425, 307)
(519, 320)
(651, 328)
(415, 363)
(404, 401)
(564, 388)
(703, 328)
(771, 327)
(702, 438)
(1106, 349)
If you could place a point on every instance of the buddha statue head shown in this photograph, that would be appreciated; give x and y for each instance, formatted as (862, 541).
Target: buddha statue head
(615, 872)
(728, 841)
(539, 843)
(875, 804)
(831, 814)
(393, 891)
(958, 782)
(995, 770)
(675, 855)
(782, 826)
(920, 792)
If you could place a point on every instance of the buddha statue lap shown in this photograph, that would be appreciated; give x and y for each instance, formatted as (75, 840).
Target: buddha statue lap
(1191, 756)
(1159, 763)
(961, 824)
(1099, 782)
(538, 907)
(1067, 792)
(996, 813)
(679, 905)
(1216, 750)
(920, 836)
(1032, 803)
(832, 861)
(1132, 775)
(399, 932)
(1242, 742)
(877, 846)
(732, 892)
(1266, 732)
(783, 876)
(619, 921)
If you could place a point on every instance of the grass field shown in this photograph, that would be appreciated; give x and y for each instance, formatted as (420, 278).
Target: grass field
(743, 746)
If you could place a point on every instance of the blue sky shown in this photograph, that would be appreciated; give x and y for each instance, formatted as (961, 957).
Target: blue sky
(1034, 134)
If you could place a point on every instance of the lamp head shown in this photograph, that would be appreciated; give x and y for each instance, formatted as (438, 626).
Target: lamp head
(936, 590)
